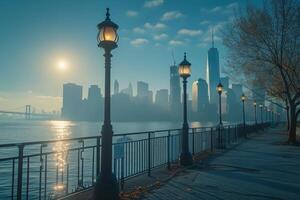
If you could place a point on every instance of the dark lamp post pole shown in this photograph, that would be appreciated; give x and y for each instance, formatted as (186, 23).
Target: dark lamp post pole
(185, 72)
(243, 98)
(106, 187)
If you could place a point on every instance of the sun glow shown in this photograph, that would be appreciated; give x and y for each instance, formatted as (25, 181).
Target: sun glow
(62, 65)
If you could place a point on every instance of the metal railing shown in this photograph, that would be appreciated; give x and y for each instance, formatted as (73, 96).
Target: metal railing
(54, 168)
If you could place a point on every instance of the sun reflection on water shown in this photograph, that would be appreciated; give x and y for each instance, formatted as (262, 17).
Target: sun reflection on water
(62, 131)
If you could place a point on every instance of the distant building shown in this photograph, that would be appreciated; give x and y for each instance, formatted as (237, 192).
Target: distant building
(238, 91)
(161, 98)
(142, 89)
(212, 73)
(128, 91)
(116, 87)
(94, 100)
(150, 97)
(175, 91)
(72, 101)
(202, 94)
(225, 83)
(195, 96)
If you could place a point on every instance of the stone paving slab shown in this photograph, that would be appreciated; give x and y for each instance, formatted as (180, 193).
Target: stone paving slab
(260, 168)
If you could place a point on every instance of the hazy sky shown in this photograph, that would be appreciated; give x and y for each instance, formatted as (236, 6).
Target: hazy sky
(38, 34)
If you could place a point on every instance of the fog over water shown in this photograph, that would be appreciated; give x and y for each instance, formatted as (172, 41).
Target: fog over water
(13, 131)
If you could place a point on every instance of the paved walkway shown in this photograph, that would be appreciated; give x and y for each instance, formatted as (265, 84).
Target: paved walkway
(260, 168)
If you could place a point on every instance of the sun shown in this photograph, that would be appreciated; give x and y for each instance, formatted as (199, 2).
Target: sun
(62, 65)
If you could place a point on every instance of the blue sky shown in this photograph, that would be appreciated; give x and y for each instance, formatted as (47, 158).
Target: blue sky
(36, 34)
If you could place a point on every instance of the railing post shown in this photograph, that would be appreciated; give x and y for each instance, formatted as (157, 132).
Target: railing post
(193, 140)
(149, 154)
(168, 146)
(20, 171)
(229, 133)
(98, 156)
(122, 173)
(211, 140)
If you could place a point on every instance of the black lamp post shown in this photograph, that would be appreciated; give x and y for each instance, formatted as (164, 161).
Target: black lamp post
(220, 90)
(261, 113)
(106, 186)
(243, 98)
(185, 72)
(255, 117)
(266, 115)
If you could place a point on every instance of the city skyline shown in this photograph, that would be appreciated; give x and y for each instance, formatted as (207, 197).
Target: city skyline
(51, 41)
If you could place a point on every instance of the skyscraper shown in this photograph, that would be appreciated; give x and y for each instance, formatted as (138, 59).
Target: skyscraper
(225, 82)
(202, 94)
(175, 92)
(212, 73)
(195, 96)
(161, 98)
(116, 87)
(128, 91)
(72, 101)
(94, 103)
(142, 89)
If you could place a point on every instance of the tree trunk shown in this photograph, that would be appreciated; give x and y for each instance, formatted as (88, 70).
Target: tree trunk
(293, 124)
(288, 117)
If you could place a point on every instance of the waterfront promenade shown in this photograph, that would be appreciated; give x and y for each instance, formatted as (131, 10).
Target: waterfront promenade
(259, 168)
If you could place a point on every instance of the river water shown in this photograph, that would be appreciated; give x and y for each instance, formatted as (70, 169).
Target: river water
(13, 131)
(16, 131)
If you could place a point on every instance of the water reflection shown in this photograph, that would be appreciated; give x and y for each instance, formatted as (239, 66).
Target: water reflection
(62, 130)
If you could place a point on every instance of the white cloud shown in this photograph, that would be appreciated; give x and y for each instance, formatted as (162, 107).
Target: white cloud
(189, 32)
(155, 26)
(160, 36)
(204, 22)
(171, 15)
(131, 13)
(139, 42)
(175, 42)
(216, 9)
(232, 5)
(139, 30)
(153, 3)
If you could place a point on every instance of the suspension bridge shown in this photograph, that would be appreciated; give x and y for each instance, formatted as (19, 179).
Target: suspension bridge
(28, 112)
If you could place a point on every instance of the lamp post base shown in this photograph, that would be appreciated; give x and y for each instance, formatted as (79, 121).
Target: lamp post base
(106, 187)
(186, 159)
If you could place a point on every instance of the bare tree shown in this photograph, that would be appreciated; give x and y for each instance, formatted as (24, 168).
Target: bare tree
(264, 46)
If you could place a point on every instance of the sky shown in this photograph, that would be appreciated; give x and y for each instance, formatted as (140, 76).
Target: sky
(46, 43)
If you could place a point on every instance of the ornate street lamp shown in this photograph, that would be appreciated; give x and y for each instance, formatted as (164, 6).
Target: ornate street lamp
(255, 104)
(185, 72)
(220, 90)
(261, 113)
(243, 98)
(106, 185)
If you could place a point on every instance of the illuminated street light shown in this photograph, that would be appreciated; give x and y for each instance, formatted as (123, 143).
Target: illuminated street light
(107, 185)
(185, 72)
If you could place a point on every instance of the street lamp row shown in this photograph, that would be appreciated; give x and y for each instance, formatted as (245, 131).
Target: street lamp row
(106, 187)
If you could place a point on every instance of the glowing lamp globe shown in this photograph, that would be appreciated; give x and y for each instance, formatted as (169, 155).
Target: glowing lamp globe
(220, 88)
(254, 103)
(184, 69)
(260, 105)
(243, 97)
(107, 35)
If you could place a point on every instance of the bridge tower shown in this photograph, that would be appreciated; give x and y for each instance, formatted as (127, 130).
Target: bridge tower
(27, 112)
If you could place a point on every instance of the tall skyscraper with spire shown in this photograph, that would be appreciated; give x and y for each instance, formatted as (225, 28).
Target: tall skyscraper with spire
(212, 72)
(175, 92)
